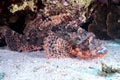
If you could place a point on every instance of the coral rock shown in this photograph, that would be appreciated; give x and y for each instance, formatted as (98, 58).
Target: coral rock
(106, 15)
(113, 22)
(98, 26)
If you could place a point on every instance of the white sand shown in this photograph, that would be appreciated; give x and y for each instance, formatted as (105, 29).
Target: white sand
(35, 66)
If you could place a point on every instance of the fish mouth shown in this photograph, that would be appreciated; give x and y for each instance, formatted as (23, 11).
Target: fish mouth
(101, 53)
(102, 50)
(87, 54)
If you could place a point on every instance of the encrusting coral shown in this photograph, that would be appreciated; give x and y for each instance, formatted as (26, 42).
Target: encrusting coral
(77, 8)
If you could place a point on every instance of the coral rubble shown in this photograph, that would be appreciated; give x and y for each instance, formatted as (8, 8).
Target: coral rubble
(108, 70)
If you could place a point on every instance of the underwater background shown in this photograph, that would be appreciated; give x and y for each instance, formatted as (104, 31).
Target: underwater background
(59, 39)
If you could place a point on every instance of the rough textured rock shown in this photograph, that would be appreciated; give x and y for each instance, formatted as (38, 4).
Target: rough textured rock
(113, 22)
(106, 21)
(98, 26)
(15, 13)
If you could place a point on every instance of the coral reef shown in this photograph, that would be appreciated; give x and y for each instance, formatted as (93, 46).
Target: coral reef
(98, 26)
(113, 22)
(15, 13)
(25, 5)
(77, 8)
(56, 28)
(17, 20)
(106, 15)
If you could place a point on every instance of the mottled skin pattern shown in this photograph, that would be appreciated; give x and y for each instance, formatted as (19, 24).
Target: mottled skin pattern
(34, 34)
(19, 42)
(73, 41)
(56, 47)
(58, 35)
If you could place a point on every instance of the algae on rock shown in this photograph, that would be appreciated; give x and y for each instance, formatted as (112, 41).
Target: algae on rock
(30, 4)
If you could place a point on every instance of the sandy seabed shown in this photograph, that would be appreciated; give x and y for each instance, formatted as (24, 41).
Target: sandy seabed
(35, 66)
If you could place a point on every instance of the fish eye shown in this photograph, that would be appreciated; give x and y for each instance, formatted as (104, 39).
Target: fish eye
(78, 39)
